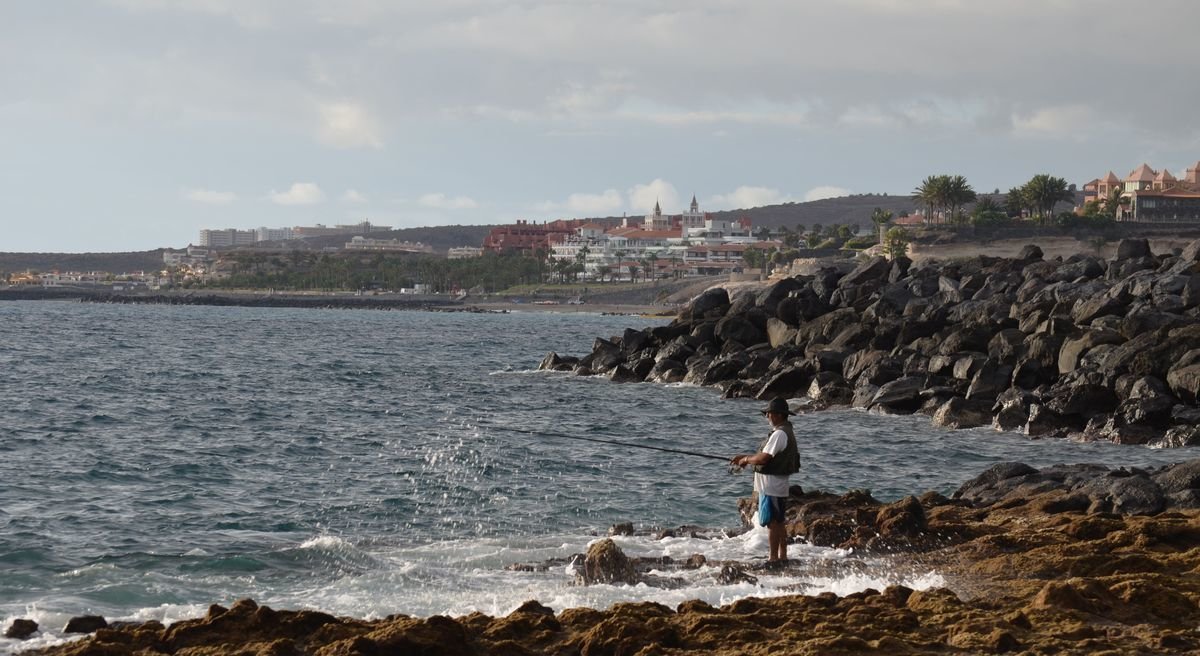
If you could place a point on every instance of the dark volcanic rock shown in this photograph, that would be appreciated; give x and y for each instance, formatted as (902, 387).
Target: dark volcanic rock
(21, 629)
(85, 624)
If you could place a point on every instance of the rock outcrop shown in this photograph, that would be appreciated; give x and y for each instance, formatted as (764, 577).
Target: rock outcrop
(1065, 560)
(1082, 348)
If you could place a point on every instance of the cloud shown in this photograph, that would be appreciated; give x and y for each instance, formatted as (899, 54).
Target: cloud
(826, 191)
(643, 197)
(442, 202)
(209, 196)
(1064, 121)
(352, 196)
(348, 125)
(587, 205)
(300, 193)
(746, 197)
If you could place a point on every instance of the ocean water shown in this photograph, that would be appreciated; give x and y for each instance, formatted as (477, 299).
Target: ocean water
(155, 460)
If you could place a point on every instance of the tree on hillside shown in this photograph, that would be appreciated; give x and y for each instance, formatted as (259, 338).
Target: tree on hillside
(988, 212)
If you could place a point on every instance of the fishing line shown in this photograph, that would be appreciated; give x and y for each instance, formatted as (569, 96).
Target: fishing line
(626, 444)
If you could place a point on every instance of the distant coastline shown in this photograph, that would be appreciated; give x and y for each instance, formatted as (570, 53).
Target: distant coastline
(326, 300)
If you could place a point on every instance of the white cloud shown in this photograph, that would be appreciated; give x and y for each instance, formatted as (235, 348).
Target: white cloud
(209, 196)
(643, 197)
(348, 125)
(1064, 121)
(353, 196)
(300, 193)
(746, 197)
(587, 205)
(442, 202)
(826, 191)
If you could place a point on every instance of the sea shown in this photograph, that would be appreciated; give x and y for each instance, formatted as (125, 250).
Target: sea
(156, 459)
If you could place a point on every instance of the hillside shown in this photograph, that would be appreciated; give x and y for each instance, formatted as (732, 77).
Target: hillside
(108, 262)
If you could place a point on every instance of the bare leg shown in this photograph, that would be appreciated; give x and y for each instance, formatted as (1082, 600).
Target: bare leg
(777, 538)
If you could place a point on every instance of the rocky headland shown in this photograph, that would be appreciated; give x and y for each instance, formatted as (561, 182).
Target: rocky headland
(1074, 559)
(1084, 348)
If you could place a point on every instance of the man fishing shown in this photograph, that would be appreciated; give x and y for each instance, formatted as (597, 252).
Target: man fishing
(776, 459)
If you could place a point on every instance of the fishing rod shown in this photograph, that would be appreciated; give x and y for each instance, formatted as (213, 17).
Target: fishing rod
(620, 443)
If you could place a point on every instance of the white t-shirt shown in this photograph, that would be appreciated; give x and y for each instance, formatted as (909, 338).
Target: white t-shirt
(770, 484)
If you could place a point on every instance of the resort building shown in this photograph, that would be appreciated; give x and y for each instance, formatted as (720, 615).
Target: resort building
(1150, 196)
(228, 237)
(360, 243)
(692, 243)
(463, 252)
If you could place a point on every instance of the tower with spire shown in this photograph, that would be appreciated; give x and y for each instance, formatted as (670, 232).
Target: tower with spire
(656, 221)
(693, 219)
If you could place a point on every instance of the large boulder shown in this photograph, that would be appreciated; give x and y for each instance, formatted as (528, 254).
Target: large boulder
(21, 629)
(958, 412)
(901, 395)
(712, 303)
(1131, 248)
(606, 563)
(739, 329)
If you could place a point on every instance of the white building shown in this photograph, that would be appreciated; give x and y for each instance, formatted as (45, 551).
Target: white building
(228, 237)
(464, 252)
(359, 243)
(275, 234)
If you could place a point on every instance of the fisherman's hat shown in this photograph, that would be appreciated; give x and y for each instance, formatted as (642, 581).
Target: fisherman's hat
(778, 406)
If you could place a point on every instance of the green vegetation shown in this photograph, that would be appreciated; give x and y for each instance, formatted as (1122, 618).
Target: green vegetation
(949, 193)
(300, 270)
(895, 242)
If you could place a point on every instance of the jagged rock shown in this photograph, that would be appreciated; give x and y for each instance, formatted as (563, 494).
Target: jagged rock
(1030, 252)
(1185, 382)
(606, 563)
(780, 333)
(1011, 410)
(1126, 493)
(21, 629)
(769, 299)
(667, 371)
(1045, 422)
(1074, 348)
(605, 355)
(828, 389)
(864, 393)
(712, 303)
(787, 383)
(736, 328)
(85, 624)
(1131, 248)
(991, 379)
(556, 362)
(624, 374)
(900, 395)
(1175, 437)
(904, 519)
(958, 412)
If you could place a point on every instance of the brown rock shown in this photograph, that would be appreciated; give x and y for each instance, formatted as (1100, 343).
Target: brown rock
(606, 563)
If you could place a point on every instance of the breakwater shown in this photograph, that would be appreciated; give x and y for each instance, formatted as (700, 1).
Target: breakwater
(1085, 348)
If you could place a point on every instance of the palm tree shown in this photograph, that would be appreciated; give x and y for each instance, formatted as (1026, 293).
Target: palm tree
(1016, 201)
(1045, 191)
(880, 217)
(931, 193)
(957, 193)
(633, 271)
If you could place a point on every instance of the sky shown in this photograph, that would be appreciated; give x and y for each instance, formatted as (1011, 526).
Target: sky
(133, 124)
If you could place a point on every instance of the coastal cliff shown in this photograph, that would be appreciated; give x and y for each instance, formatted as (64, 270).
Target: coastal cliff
(1084, 348)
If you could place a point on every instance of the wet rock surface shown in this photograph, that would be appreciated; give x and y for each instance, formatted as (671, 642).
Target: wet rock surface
(1075, 559)
(1084, 348)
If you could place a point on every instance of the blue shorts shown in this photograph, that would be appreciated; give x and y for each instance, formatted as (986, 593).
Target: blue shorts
(771, 509)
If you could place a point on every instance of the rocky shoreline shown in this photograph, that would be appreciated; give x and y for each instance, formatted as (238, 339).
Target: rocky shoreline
(1083, 348)
(1074, 559)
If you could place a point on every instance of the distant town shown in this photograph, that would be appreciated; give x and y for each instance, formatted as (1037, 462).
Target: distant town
(658, 245)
